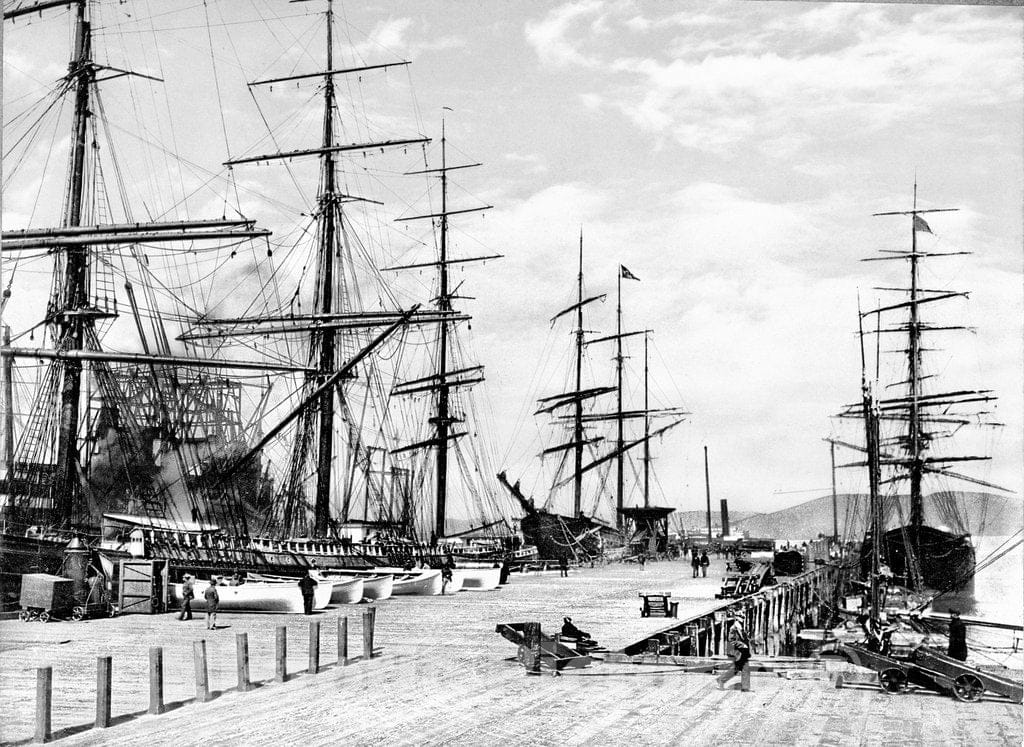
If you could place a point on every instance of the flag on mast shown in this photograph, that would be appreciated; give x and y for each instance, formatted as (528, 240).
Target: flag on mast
(626, 273)
(920, 225)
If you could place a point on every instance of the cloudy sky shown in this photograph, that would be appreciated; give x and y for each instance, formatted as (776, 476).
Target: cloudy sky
(730, 154)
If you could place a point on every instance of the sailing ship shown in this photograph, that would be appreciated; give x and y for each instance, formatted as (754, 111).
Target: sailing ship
(581, 536)
(916, 553)
(184, 480)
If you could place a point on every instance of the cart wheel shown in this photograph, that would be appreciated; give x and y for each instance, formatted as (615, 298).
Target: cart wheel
(526, 657)
(893, 680)
(33, 615)
(44, 616)
(77, 613)
(24, 616)
(968, 687)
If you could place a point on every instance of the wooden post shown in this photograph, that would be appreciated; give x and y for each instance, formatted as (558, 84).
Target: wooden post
(44, 701)
(103, 667)
(281, 668)
(368, 621)
(314, 647)
(202, 680)
(343, 641)
(156, 680)
(531, 632)
(242, 661)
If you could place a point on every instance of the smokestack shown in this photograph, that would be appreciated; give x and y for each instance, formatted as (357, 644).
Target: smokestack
(725, 518)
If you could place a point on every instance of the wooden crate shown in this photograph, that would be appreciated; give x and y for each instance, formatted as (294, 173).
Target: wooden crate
(47, 592)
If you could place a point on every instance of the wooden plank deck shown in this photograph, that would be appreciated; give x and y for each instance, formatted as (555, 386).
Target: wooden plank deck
(444, 678)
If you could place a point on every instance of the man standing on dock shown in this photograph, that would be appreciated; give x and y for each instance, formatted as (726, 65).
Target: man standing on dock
(739, 650)
(188, 592)
(212, 602)
(957, 636)
(705, 561)
(306, 585)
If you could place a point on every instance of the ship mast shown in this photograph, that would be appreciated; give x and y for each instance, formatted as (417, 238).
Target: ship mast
(620, 463)
(577, 432)
(442, 420)
(916, 442)
(73, 320)
(647, 433)
(326, 338)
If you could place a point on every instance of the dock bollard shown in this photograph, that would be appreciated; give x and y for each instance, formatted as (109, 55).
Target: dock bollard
(202, 680)
(281, 668)
(44, 701)
(368, 633)
(242, 661)
(103, 672)
(156, 680)
(314, 648)
(343, 641)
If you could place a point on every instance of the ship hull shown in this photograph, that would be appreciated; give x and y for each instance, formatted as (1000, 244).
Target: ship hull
(557, 537)
(946, 560)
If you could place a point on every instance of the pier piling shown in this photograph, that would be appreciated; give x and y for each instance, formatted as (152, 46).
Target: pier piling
(103, 679)
(242, 661)
(281, 650)
(342, 641)
(44, 703)
(369, 617)
(156, 680)
(202, 679)
(314, 648)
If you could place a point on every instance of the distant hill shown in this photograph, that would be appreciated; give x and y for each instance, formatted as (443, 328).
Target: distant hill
(694, 520)
(981, 514)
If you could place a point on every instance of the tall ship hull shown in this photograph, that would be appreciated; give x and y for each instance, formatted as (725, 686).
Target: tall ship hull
(942, 561)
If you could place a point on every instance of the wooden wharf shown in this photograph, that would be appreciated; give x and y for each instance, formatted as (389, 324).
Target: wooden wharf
(445, 677)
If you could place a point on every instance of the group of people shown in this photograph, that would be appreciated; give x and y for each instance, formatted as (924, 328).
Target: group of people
(210, 595)
(699, 562)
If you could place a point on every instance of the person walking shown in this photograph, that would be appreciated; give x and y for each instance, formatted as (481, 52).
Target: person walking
(212, 603)
(957, 636)
(695, 563)
(739, 649)
(188, 593)
(705, 561)
(563, 567)
(447, 573)
(306, 585)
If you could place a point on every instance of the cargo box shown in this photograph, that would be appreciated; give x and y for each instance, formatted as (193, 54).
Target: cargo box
(46, 592)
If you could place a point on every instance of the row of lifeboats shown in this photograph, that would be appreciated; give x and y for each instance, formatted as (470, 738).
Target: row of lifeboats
(273, 593)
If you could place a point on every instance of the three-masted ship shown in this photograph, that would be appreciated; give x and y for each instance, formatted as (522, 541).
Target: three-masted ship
(583, 535)
(150, 450)
(903, 431)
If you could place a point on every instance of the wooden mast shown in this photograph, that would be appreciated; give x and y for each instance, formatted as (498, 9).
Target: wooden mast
(442, 420)
(647, 433)
(707, 490)
(914, 377)
(72, 320)
(619, 442)
(325, 339)
(577, 484)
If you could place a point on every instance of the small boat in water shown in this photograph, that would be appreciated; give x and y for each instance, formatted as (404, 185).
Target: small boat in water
(257, 596)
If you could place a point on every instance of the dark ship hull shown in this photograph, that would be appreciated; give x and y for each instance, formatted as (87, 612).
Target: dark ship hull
(556, 537)
(945, 561)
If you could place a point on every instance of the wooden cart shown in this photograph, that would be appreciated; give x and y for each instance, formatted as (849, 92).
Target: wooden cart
(931, 669)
